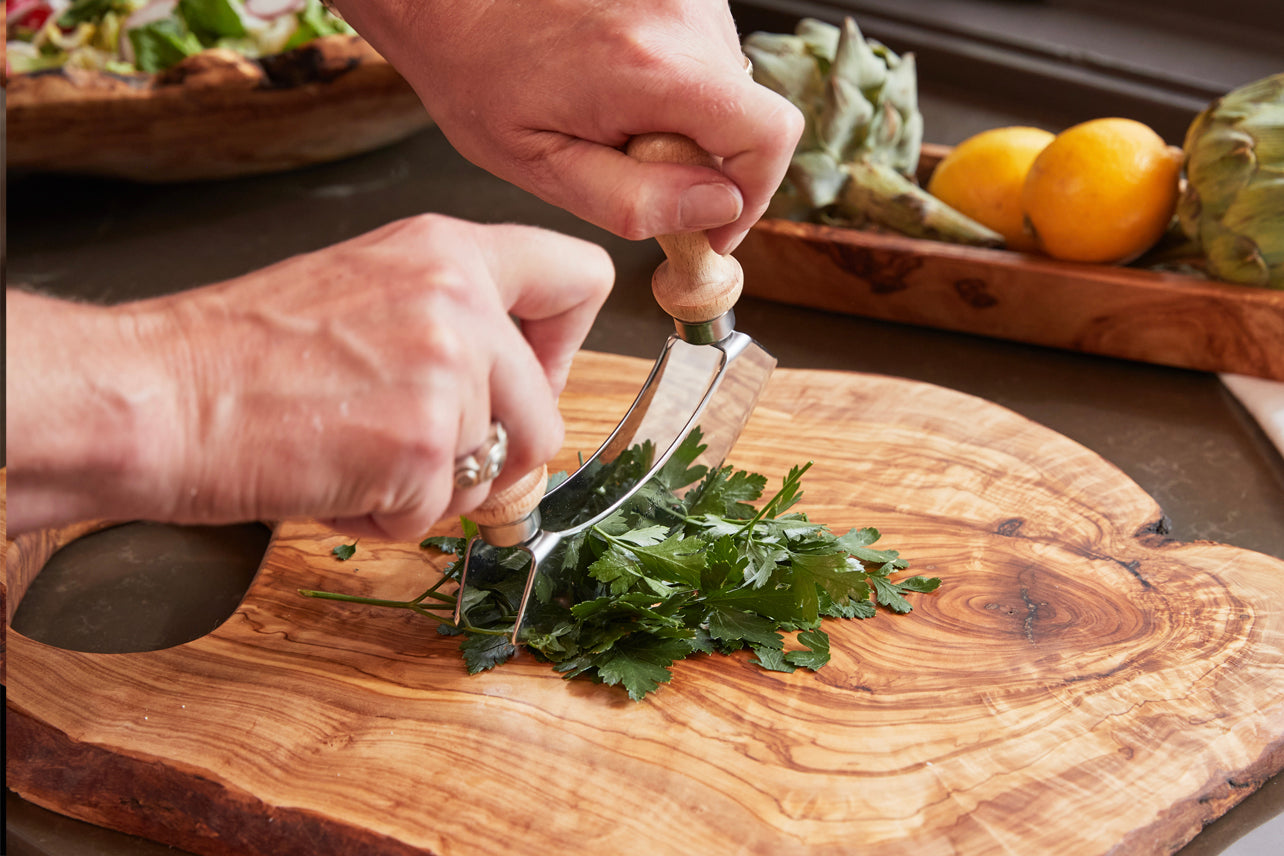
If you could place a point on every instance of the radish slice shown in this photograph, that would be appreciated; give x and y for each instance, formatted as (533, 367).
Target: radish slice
(156, 10)
(269, 9)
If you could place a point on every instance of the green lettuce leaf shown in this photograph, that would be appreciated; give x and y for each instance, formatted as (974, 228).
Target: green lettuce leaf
(161, 44)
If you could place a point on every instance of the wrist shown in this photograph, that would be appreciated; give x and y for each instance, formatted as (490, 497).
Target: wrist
(89, 403)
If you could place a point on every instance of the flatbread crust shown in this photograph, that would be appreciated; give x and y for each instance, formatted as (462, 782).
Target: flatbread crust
(214, 115)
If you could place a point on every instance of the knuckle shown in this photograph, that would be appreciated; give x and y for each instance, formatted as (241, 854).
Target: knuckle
(629, 216)
(603, 273)
(431, 347)
(425, 226)
(784, 125)
(794, 123)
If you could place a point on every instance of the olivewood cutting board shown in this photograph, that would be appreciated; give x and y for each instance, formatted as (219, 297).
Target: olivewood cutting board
(1078, 684)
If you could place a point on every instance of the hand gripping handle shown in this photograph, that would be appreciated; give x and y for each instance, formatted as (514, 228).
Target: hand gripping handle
(505, 517)
(694, 284)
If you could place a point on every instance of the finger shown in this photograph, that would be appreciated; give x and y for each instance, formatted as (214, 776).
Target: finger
(522, 399)
(364, 526)
(750, 128)
(755, 142)
(633, 200)
(555, 285)
(422, 490)
(432, 500)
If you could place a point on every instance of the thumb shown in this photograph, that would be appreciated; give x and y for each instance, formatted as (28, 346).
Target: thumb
(637, 200)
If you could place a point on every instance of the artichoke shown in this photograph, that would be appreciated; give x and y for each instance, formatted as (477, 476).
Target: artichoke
(1233, 203)
(859, 151)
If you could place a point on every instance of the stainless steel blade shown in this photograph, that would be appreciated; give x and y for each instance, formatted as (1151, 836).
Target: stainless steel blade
(711, 387)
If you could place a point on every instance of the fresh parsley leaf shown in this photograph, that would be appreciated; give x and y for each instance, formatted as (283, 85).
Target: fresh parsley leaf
(727, 494)
(734, 625)
(771, 659)
(678, 471)
(645, 536)
(445, 544)
(847, 609)
(789, 493)
(828, 572)
(617, 569)
(640, 667)
(921, 585)
(344, 552)
(674, 560)
(485, 652)
(815, 655)
(856, 542)
(891, 595)
(775, 602)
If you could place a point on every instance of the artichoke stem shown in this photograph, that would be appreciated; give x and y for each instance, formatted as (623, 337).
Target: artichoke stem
(875, 192)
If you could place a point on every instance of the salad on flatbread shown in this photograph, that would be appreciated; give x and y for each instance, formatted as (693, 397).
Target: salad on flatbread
(148, 36)
(182, 90)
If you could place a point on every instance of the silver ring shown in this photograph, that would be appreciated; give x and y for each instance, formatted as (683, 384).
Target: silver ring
(483, 463)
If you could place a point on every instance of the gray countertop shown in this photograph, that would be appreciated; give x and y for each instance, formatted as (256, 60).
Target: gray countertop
(1178, 434)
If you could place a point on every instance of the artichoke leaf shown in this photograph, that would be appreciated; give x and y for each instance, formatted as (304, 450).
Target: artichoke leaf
(1233, 198)
(817, 178)
(856, 61)
(784, 65)
(821, 39)
(843, 123)
(878, 193)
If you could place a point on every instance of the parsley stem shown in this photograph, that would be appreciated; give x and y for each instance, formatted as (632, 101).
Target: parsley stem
(416, 604)
(787, 494)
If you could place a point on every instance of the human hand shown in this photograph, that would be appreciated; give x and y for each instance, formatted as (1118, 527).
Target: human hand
(545, 95)
(341, 384)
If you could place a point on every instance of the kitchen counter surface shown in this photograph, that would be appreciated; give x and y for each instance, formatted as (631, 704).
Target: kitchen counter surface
(1179, 434)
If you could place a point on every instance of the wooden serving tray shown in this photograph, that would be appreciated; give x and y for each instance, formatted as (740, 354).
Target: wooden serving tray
(1136, 314)
(214, 115)
(1078, 685)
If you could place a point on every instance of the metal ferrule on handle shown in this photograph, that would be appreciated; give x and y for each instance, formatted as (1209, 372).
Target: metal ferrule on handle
(706, 332)
(514, 533)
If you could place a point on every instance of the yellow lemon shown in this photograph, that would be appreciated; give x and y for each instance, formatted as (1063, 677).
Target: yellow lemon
(983, 175)
(1102, 191)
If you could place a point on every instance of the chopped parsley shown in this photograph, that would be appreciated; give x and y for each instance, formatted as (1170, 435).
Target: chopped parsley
(687, 566)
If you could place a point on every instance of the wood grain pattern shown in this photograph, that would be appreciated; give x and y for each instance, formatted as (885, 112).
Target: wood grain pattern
(215, 115)
(1078, 685)
(1135, 314)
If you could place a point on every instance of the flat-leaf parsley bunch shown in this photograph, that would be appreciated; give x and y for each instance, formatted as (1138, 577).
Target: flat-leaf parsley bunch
(687, 566)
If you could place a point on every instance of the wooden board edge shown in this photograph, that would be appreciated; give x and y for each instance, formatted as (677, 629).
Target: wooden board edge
(1234, 328)
(163, 799)
(1180, 825)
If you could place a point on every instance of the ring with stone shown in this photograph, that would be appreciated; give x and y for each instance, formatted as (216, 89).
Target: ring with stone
(483, 463)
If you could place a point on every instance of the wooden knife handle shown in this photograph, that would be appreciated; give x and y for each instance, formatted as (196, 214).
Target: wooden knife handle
(513, 502)
(694, 284)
